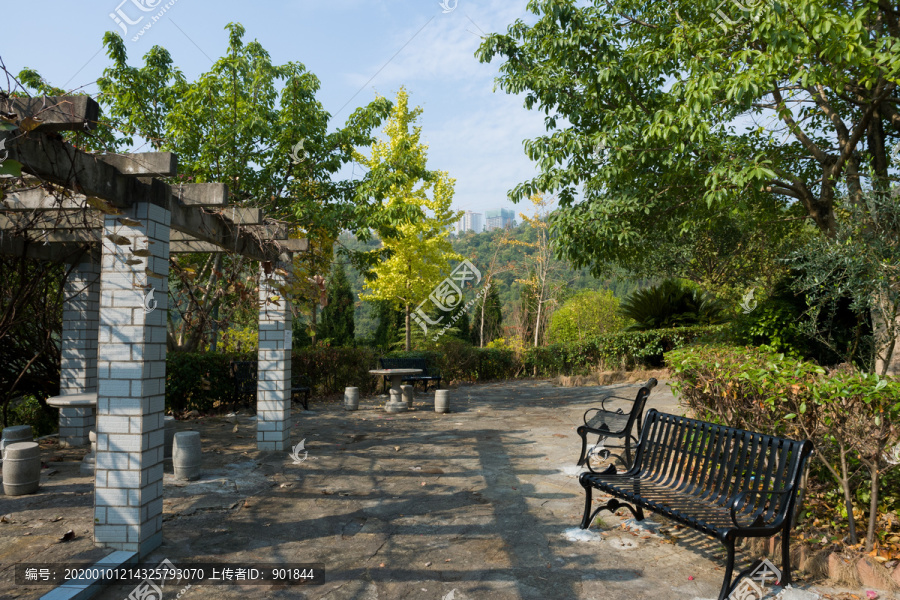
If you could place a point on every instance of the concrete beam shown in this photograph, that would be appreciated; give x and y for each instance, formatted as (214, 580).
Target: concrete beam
(146, 164)
(54, 113)
(201, 194)
(242, 216)
(50, 252)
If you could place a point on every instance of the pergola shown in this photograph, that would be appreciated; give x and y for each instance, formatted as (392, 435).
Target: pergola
(117, 223)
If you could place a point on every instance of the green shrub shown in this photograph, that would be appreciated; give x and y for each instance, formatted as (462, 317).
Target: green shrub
(850, 416)
(28, 411)
(626, 349)
(672, 304)
(585, 315)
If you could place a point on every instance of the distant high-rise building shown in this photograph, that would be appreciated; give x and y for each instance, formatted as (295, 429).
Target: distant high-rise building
(496, 219)
(470, 221)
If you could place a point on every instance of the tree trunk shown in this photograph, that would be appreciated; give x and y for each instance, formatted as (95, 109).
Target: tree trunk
(312, 321)
(873, 506)
(408, 334)
(848, 498)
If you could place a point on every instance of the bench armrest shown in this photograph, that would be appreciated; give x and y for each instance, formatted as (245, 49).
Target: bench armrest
(741, 500)
(601, 410)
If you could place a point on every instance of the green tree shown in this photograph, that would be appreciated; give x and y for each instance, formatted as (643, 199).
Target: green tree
(587, 314)
(337, 316)
(238, 124)
(488, 322)
(660, 118)
(415, 220)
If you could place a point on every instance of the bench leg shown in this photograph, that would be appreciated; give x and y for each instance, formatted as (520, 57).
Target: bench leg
(583, 433)
(785, 557)
(306, 401)
(588, 492)
(727, 585)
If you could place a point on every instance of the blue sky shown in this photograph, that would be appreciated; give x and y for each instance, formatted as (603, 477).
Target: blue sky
(355, 47)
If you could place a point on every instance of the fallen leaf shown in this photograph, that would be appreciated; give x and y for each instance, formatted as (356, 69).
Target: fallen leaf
(6, 518)
(29, 123)
(235, 430)
(428, 564)
(68, 536)
(423, 483)
(381, 565)
(56, 519)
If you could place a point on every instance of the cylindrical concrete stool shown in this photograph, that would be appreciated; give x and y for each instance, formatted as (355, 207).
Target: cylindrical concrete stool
(22, 469)
(90, 459)
(406, 392)
(186, 455)
(351, 398)
(169, 436)
(14, 435)
(442, 401)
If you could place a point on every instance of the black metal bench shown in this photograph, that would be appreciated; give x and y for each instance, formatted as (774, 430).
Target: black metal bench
(723, 482)
(427, 374)
(619, 425)
(300, 385)
(244, 374)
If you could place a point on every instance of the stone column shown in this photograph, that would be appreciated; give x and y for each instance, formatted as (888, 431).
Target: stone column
(78, 350)
(273, 395)
(131, 379)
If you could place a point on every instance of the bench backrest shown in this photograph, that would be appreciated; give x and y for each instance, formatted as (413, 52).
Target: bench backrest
(717, 463)
(405, 363)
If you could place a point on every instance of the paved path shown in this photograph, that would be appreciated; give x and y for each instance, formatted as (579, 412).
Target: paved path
(468, 505)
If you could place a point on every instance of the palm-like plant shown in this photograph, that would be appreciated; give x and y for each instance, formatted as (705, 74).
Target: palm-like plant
(672, 304)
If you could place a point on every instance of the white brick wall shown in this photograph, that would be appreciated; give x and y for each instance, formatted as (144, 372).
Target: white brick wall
(131, 382)
(273, 368)
(78, 350)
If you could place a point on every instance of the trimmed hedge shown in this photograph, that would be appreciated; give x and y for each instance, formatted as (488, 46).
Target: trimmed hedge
(196, 381)
(618, 350)
(199, 381)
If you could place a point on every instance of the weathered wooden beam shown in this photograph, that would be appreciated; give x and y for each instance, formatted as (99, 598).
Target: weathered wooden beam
(201, 194)
(53, 113)
(146, 164)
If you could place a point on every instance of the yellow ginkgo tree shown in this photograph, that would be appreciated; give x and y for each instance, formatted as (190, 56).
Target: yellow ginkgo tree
(412, 219)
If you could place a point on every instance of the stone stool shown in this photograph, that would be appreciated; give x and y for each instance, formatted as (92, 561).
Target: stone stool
(14, 434)
(186, 455)
(89, 461)
(351, 398)
(442, 401)
(22, 469)
(407, 393)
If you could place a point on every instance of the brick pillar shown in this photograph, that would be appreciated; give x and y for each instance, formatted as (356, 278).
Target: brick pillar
(131, 377)
(78, 350)
(273, 396)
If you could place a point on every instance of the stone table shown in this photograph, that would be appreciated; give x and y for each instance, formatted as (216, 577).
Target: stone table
(395, 404)
(77, 422)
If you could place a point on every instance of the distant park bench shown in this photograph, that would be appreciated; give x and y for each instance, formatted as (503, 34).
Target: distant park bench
(617, 425)
(723, 482)
(243, 372)
(427, 374)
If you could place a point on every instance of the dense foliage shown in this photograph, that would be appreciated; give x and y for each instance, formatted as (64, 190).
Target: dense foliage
(672, 304)
(665, 117)
(850, 416)
(585, 315)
